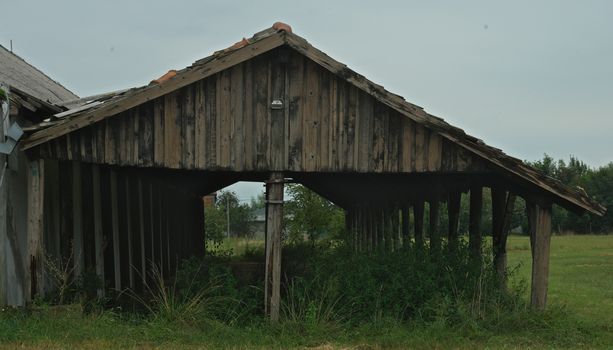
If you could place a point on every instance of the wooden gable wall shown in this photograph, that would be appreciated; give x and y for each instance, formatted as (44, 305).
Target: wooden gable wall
(225, 122)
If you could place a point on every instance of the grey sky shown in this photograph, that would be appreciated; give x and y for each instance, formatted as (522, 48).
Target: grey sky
(529, 77)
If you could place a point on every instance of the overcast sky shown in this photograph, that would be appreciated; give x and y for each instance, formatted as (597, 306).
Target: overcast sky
(529, 77)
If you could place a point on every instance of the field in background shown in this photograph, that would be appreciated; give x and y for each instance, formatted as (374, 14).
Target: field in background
(581, 280)
(580, 273)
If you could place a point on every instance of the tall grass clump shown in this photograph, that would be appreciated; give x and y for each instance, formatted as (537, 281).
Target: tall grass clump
(191, 303)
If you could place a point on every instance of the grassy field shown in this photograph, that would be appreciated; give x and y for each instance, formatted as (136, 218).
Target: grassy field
(581, 316)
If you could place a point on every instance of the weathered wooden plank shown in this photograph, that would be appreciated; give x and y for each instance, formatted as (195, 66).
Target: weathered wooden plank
(115, 227)
(172, 130)
(130, 232)
(377, 161)
(296, 91)
(187, 116)
(249, 126)
(333, 132)
(353, 132)
(158, 132)
(420, 148)
(406, 145)
(200, 125)
(393, 142)
(323, 111)
(434, 152)
(224, 116)
(418, 221)
(310, 122)
(141, 226)
(278, 139)
(237, 118)
(98, 235)
(147, 144)
(211, 128)
(35, 225)
(134, 132)
(77, 219)
(261, 82)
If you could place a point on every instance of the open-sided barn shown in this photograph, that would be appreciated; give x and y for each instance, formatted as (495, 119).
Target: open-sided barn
(117, 180)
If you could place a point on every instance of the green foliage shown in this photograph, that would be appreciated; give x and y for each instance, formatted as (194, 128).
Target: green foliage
(192, 302)
(216, 217)
(596, 182)
(446, 321)
(309, 214)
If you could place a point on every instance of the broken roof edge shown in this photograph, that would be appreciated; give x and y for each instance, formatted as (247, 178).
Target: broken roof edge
(272, 38)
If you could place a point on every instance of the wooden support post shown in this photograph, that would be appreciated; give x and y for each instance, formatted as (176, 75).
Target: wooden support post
(453, 209)
(115, 228)
(502, 211)
(540, 259)
(395, 229)
(98, 235)
(274, 226)
(435, 237)
(160, 238)
(141, 226)
(35, 262)
(418, 221)
(153, 264)
(474, 221)
(77, 220)
(405, 225)
(129, 228)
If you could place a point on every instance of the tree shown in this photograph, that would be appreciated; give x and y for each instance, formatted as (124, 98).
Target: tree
(228, 207)
(309, 214)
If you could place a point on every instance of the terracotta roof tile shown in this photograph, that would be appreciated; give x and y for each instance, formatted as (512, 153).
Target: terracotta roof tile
(171, 73)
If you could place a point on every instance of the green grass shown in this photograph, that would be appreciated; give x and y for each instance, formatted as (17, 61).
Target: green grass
(580, 316)
(580, 274)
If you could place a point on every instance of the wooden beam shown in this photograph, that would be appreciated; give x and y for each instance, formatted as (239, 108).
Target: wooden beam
(474, 221)
(141, 222)
(453, 209)
(35, 262)
(540, 260)
(503, 204)
(131, 241)
(274, 226)
(435, 237)
(77, 220)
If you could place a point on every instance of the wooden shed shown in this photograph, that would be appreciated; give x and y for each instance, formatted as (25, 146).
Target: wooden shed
(134, 165)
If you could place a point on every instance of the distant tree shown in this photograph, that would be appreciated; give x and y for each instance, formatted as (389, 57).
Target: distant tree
(309, 214)
(216, 217)
(598, 183)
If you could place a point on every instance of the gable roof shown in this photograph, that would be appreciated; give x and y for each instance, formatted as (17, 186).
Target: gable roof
(99, 108)
(22, 76)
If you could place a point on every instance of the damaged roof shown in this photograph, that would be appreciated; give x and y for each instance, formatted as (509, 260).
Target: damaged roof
(89, 111)
(20, 75)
